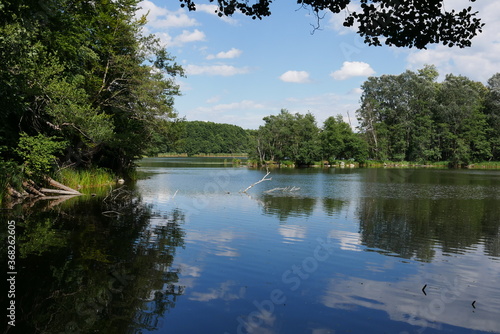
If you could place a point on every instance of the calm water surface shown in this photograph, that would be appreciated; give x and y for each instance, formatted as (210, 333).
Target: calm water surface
(344, 251)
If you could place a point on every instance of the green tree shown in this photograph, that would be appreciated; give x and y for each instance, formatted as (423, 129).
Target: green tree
(462, 124)
(492, 111)
(286, 136)
(210, 138)
(338, 141)
(396, 115)
(84, 72)
(38, 153)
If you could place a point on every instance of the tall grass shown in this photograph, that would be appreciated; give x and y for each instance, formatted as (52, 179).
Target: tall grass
(85, 178)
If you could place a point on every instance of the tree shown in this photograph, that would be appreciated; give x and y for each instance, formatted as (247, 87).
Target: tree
(411, 117)
(338, 141)
(462, 124)
(83, 71)
(492, 110)
(400, 23)
(396, 115)
(210, 138)
(287, 137)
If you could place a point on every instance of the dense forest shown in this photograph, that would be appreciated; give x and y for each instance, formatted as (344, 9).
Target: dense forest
(197, 137)
(406, 117)
(412, 117)
(81, 86)
(295, 138)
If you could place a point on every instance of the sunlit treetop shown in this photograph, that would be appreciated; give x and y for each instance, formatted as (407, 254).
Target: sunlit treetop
(401, 23)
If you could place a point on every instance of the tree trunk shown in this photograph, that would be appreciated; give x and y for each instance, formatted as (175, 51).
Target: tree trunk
(61, 186)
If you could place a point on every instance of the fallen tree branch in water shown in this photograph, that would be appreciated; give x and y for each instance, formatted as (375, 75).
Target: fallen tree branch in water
(262, 180)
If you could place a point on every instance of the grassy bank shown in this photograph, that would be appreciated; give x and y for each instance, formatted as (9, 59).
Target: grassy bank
(377, 164)
(203, 155)
(437, 164)
(85, 178)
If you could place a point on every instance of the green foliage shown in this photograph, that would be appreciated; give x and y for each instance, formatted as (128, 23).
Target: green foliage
(84, 72)
(38, 153)
(338, 141)
(411, 117)
(287, 137)
(211, 138)
(492, 112)
(10, 175)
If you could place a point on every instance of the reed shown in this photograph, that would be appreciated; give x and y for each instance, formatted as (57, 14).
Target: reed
(85, 178)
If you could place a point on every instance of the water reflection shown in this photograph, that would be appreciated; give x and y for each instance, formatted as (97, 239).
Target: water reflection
(446, 306)
(292, 233)
(350, 252)
(414, 228)
(284, 207)
(85, 272)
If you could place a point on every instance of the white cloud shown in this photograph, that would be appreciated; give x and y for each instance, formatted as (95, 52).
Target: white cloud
(159, 17)
(336, 21)
(480, 61)
(181, 39)
(213, 99)
(352, 69)
(190, 36)
(222, 70)
(245, 113)
(295, 76)
(326, 105)
(233, 53)
(241, 105)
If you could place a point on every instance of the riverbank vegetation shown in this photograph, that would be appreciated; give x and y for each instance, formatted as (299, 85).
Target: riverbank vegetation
(406, 119)
(81, 87)
(197, 138)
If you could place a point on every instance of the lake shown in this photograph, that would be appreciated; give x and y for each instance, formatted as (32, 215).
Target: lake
(308, 251)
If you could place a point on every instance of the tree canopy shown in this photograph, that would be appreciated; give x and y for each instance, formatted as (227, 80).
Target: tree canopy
(83, 74)
(296, 138)
(211, 138)
(413, 23)
(412, 117)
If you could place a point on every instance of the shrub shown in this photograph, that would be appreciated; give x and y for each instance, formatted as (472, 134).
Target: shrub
(38, 152)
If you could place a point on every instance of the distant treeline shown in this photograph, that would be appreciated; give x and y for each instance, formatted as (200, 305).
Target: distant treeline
(405, 117)
(197, 137)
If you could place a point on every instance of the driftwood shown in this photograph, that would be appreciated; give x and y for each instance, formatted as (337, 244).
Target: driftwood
(61, 186)
(13, 192)
(57, 191)
(262, 180)
(29, 186)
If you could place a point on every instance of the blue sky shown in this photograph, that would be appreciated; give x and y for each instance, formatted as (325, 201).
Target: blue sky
(240, 70)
